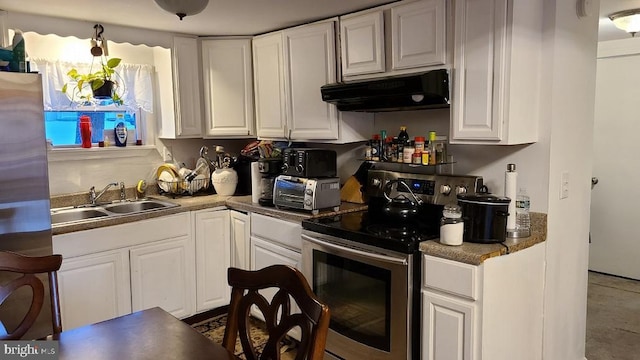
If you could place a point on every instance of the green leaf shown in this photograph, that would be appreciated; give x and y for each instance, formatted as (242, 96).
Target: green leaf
(113, 62)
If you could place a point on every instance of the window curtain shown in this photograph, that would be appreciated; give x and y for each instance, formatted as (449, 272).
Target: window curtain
(137, 92)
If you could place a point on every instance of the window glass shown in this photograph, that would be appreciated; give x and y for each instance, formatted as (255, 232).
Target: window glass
(62, 127)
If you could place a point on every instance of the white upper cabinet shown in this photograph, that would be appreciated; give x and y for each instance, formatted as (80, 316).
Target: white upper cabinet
(418, 34)
(362, 43)
(399, 38)
(290, 66)
(268, 74)
(310, 62)
(496, 77)
(228, 87)
(186, 80)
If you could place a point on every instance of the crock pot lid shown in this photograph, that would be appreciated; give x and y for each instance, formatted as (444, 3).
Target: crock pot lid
(483, 199)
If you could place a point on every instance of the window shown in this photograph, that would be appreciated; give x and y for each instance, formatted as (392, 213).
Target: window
(62, 128)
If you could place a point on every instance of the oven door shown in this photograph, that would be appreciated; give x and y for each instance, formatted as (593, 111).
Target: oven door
(368, 293)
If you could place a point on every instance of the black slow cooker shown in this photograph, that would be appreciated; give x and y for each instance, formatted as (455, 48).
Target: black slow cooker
(485, 217)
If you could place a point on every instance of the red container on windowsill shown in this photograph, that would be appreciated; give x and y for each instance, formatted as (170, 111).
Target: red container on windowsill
(85, 131)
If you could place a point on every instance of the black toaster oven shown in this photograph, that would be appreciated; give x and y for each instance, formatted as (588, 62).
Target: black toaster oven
(309, 163)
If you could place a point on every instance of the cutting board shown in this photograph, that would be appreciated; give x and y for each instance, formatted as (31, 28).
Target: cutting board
(350, 191)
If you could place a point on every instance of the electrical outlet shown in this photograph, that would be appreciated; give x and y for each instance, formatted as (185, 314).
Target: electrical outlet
(167, 154)
(564, 185)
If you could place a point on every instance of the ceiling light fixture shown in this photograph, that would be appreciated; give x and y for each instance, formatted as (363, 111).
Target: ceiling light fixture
(183, 8)
(627, 20)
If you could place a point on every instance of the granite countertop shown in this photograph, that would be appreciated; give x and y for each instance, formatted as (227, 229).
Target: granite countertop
(470, 253)
(188, 203)
(475, 254)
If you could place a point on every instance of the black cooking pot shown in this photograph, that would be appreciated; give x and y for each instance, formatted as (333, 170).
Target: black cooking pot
(485, 217)
(400, 208)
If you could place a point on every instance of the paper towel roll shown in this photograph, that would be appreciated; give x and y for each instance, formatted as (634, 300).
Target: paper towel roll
(510, 185)
(255, 182)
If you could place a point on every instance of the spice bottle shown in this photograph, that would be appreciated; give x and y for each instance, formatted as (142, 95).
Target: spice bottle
(375, 147)
(432, 147)
(407, 153)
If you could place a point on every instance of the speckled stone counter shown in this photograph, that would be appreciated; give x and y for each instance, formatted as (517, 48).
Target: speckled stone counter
(469, 253)
(475, 254)
(186, 203)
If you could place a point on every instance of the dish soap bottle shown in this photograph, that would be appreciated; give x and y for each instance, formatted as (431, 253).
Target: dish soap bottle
(120, 134)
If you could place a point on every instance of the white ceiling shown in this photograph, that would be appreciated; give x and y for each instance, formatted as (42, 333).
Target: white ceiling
(236, 17)
(220, 17)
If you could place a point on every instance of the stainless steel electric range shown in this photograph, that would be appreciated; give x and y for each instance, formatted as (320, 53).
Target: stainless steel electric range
(366, 265)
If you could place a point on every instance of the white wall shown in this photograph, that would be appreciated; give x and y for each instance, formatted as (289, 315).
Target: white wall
(568, 98)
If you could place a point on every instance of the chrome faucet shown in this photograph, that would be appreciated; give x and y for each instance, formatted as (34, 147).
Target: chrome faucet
(123, 193)
(92, 192)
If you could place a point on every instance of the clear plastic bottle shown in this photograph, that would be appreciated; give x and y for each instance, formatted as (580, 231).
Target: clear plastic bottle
(523, 218)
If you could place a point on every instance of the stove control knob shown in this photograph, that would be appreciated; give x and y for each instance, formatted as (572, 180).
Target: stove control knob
(445, 189)
(307, 202)
(376, 182)
(461, 189)
(309, 191)
(299, 169)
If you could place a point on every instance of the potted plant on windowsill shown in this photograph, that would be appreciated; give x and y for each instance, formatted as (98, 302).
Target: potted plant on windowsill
(101, 82)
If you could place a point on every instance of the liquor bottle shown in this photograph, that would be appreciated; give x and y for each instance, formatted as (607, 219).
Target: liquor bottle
(403, 138)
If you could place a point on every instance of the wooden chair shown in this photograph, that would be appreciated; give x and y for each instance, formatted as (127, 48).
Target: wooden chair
(29, 266)
(313, 319)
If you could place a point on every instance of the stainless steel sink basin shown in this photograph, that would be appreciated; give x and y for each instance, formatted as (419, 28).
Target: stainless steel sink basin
(63, 216)
(69, 215)
(138, 206)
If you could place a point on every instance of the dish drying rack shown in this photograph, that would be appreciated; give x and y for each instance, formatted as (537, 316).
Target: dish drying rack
(183, 186)
(198, 180)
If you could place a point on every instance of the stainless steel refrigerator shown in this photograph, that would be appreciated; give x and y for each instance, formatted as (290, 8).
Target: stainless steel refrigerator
(25, 218)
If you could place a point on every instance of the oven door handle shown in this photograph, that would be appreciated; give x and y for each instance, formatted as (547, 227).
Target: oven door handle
(385, 258)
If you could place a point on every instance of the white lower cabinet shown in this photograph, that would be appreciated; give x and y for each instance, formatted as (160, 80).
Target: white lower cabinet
(447, 331)
(94, 288)
(111, 271)
(275, 241)
(240, 239)
(213, 257)
(491, 311)
(162, 274)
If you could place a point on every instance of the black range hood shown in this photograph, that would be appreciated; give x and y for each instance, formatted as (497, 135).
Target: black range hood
(427, 90)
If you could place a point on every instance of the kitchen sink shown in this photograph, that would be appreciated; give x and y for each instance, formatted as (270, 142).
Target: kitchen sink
(77, 214)
(138, 206)
(64, 216)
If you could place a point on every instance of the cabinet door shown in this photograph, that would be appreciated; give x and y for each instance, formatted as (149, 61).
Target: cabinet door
(263, 254)
(418, 34)
(447, 328)
(268, 72)
(310, 62)
(362, 44)
(186, 80)
(213, 257)
(162, 274)
(475, 110)
(240, 239)
(94, 288)
(228, 87)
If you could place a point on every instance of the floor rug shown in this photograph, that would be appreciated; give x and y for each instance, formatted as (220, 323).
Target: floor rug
(214, 330)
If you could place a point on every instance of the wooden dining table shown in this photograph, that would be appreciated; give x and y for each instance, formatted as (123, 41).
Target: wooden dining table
(148, 334)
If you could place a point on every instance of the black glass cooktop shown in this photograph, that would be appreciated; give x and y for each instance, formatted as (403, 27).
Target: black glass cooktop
(377, 230)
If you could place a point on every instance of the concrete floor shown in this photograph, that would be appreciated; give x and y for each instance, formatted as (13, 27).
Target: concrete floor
(613, 318)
